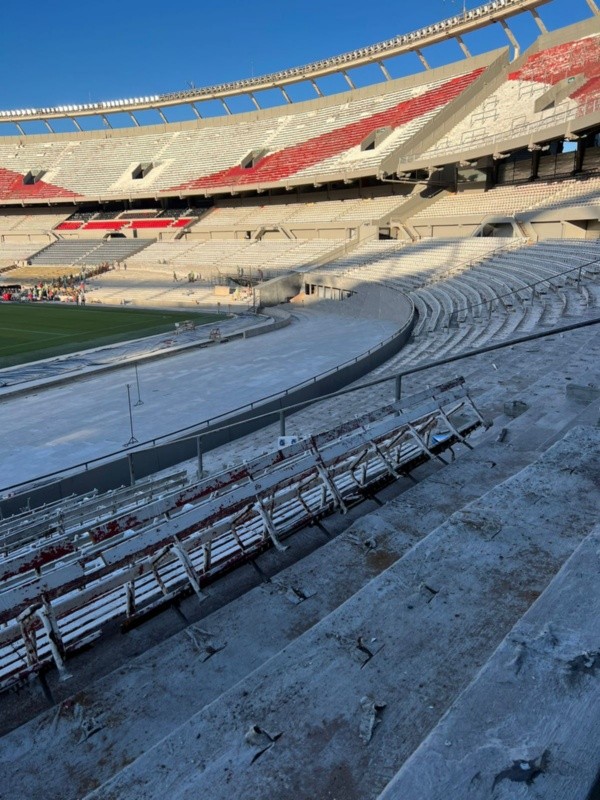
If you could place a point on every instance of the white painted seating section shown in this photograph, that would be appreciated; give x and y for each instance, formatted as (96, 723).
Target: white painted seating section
(33, 221)
(255, 215)
(11, 252)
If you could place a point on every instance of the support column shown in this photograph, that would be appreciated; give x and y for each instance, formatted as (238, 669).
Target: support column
(48, 619)
(225, 106)
(106, 121)
(74, 121)
(50, 128)
(538, 20)
(135, 122)
(186, 562)
(511, 38)
(422, 58)
(348, 79)
(383, 68)
(162, 116)
(593, 7)
(254, 101)
(316, 88)
(285, 94)
(462, 46)
(195, 110)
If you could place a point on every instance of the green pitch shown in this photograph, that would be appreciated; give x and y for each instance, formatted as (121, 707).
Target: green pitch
(31, 331)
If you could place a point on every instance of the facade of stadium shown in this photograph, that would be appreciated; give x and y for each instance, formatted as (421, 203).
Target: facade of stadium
(430, 628)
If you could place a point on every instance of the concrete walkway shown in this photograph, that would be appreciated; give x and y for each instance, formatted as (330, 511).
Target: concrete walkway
(52, 429)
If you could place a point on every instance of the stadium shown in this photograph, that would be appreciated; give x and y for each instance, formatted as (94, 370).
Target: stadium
(300, 473)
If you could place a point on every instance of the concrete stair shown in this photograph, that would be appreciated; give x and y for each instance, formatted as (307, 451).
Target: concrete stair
(358, 691)
(528, 724)
(112, 721)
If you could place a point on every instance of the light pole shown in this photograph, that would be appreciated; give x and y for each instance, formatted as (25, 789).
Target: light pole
(132, 440)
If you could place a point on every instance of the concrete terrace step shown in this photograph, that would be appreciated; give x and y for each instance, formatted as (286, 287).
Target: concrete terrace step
(529, 723)
(396, 653)
(254, 628)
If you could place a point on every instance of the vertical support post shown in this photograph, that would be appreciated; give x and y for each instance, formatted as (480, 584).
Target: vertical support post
(383, 68)
(316, 88)
(422, 58)
(48, 619)
(398, 394)
(282, 422)
(187, 565)
(131, 469)
(463, 46)
(511, 38)
(130, 598)
(199, 454)
(538, 20)
(139, 402)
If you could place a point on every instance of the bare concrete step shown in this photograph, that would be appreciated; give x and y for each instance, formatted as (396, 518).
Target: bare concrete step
(337, 712)
(262, 621)
(529, 724)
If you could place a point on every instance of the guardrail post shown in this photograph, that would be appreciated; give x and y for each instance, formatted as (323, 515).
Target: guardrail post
(199, 452)
(398, 387)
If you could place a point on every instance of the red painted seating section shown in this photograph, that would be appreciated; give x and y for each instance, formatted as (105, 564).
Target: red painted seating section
(13, 188)
(564, 61)
(107, 225)
(68, 226)
(284, 163)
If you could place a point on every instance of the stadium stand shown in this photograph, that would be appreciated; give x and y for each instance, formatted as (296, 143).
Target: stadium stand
(89, 251)
(400, 600)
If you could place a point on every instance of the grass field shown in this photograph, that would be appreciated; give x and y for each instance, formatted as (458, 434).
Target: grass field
(31, 331)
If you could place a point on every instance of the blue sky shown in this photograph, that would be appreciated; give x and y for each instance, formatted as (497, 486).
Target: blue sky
(54, 53)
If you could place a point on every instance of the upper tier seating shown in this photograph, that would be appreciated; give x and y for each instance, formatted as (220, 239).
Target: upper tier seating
(509, 111)
(318, 139)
